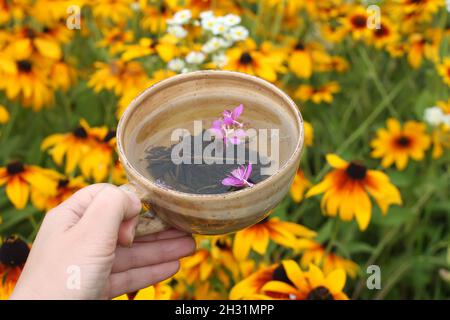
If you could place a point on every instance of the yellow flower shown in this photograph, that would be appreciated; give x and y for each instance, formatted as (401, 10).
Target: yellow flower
(385, 35)
(300, 61)
(165, 47)
(118, 174)
(117, 11)
(66, 187)
(27, 41)
(318, 95)
(257, 236)
(309, 133)
(14, 9)
(397, 144)
(20, 179)
(299, 186)
(315, 253)
(63, 75)
(74, 146)
(13, 254)
(424, 45)
(288, 281)
(252, 285)
(25, 80)
(154, 18)
(159, 291)
(118, 76)
(347, 189)
(98, 161)
(356, 22)
(115, 39)
(4, 114)
(444, 70)
(248, 58)
(312, 285)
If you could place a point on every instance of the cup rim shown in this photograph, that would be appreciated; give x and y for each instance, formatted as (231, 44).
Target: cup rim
(134, 104)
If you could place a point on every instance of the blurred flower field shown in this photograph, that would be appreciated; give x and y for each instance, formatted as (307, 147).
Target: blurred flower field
(373, 187)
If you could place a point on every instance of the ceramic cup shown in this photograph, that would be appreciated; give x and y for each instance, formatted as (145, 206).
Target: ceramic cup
(203, 93)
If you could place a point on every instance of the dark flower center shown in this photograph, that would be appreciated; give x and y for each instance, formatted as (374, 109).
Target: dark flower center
(222, 245)
(111, 134)
(30, 33)
(46, 30)
(62, 183)
(359, 21)
(299, 46)
(246, 58)
(403, 141)
(24, 65)
(14, 252)
(279, 274)
(80, 132)
(320, 293)
(15, 168)
(356, 171)
(382, 32)
(162, 8)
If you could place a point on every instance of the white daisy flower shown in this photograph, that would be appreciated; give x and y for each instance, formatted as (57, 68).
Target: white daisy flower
(214, 44)
(238, 33)
(231, 20)
(434, 116)
(219, 26)
(177, 31)
(176, 64)
(220, 60)
(206, 14)
(208, 23)
(195, 57)
(180, 17)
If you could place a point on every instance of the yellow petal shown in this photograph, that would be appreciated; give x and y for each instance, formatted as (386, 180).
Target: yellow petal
(18, 192)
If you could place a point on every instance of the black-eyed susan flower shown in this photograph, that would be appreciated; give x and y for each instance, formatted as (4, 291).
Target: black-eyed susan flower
(252, 284)
(24, 80)
(310, 285)
(117, 11)
(396, 144)
(4, 114)
(257, 237)
(315, 253)
(13, 255)
(356, 22)
(72, 146)
(115, 39)
(98, 162)
(20, 178)
(318, 95)
(423, 45)
(248, 58)
(347, 188)
(384, 35)
(118, 76)
(154, 17)
(300, 61)
(66, 187)
(444, 70)
(299, 186)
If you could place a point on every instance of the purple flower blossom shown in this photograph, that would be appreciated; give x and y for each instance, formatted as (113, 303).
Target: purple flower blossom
(239, 177)
(230, 117)
(228, 128)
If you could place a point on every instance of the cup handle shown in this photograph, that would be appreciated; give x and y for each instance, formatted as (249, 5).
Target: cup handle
(149, 222)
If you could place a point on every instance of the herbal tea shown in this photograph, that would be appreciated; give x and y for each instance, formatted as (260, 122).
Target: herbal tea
(202, 178)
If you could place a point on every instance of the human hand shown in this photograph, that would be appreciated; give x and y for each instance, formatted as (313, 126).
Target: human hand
(92, 235)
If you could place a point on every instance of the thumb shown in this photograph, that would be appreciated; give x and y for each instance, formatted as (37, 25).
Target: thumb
(110, 209)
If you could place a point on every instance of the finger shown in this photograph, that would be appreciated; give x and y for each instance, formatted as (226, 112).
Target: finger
(108, 209)
(127, 231)
(168, 234)
(136, 279)
(152, 253)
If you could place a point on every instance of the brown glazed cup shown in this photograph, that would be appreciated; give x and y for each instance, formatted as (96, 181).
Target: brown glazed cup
(156, 108)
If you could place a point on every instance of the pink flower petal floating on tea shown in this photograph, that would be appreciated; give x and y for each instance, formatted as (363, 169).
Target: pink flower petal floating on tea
(230, 117)
(239, 177)
(228, 128)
